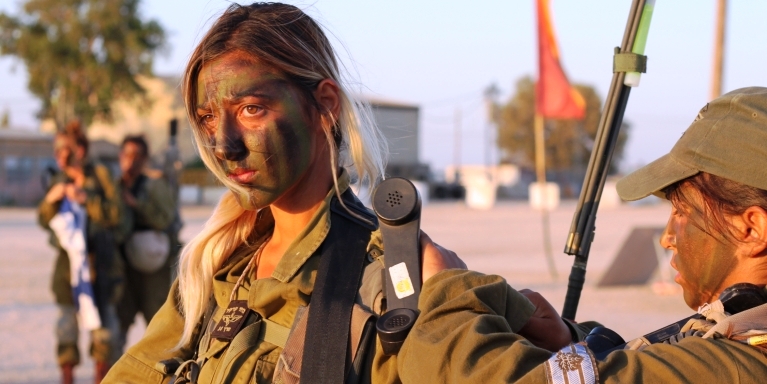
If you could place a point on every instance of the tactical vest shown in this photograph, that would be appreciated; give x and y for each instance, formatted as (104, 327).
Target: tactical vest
(748, 327)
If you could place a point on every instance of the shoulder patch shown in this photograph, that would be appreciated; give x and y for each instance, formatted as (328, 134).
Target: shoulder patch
(573, 364)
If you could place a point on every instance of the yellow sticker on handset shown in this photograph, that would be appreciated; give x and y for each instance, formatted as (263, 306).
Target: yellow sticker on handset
(403, 286)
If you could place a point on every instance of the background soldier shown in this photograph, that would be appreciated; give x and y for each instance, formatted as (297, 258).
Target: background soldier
(149, 238)
(90, 185)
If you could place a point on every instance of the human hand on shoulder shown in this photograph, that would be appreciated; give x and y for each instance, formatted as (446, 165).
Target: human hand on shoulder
(75, 193)
(545, 328)
(435, 258)
(129, 199)
(56, 193)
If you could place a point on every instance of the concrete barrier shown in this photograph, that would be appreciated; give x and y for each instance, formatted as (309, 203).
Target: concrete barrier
(544, 196)
(189, 194)
(480, 193)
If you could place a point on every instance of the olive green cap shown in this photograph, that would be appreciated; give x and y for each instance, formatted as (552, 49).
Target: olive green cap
(728, 138)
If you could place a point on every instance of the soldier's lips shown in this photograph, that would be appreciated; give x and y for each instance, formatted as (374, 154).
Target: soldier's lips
(242, 176)
(678, 276)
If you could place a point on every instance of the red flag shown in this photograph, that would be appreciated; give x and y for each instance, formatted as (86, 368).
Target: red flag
(554, 97)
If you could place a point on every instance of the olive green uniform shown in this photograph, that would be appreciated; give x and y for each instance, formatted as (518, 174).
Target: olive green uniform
(464, 328)
(102, 207)
(277, 298)
(156, 209)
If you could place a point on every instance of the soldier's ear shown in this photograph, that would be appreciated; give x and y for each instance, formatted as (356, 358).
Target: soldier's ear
(754, 230)
(328, 96)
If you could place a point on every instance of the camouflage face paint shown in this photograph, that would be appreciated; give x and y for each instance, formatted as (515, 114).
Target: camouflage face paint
(257, 124)
(704, 259)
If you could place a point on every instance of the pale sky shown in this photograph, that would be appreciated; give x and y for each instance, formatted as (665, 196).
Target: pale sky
(441, 54)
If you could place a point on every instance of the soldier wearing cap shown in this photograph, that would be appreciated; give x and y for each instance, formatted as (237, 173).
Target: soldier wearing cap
(716, 180)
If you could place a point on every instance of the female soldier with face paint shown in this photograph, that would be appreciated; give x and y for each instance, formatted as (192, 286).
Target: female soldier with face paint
(273, 121)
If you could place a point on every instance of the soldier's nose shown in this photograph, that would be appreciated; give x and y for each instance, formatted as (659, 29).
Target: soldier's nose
(667, 239)
(229, 144)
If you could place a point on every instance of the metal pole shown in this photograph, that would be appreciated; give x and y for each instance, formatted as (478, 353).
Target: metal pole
(490, 94)
(457, 146)
(540, 151)
(540, 171)
(718, 67)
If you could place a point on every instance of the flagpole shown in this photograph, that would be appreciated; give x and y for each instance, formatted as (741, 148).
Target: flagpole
(554, 98)
(540, 171)
(716, 73)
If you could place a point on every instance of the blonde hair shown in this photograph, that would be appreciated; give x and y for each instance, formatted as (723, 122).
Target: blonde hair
(285, 38)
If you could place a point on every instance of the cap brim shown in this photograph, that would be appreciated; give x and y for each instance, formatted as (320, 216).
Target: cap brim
(652, 178)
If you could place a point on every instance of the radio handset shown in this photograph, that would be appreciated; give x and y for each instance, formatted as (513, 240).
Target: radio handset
(398, 206)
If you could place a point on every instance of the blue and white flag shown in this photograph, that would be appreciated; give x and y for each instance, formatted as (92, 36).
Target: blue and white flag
(69, 226)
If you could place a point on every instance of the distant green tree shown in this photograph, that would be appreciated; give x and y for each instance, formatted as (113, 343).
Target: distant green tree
(82, 55)
(568, 142)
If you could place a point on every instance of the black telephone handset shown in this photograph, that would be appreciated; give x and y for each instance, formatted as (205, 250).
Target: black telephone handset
(398, 206)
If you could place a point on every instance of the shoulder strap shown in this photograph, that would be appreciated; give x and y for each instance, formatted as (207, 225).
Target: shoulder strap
(335, 289)
(141, 180)
(739, 323)
(110, 192)
(104, 179)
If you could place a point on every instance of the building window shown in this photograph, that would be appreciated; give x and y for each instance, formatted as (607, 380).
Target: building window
(46, 164)
(18, 169)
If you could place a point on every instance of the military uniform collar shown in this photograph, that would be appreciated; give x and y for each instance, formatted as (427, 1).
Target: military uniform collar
(294, 259)
(311, 237)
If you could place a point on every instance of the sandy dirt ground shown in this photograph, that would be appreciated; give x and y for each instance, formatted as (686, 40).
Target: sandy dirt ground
(506, 240)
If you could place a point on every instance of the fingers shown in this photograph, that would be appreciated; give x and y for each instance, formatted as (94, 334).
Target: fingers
(56, 193)
(75, 193)
(545, 328)
(449, 258)
(534, 297)
(436, 258)
(71, 192)
(129, 199)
